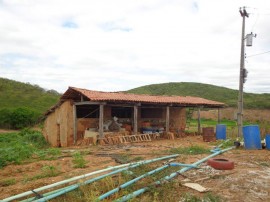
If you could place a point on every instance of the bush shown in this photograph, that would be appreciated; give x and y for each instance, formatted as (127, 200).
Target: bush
(18, 118)
(22, 117)
(34, 137)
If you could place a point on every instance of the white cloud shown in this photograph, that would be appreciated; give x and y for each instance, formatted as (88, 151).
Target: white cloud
(117, 45)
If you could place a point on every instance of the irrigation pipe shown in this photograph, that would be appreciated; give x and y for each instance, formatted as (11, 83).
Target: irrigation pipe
(126, 184)
(84, 176)
(169, 177)
(75, 186)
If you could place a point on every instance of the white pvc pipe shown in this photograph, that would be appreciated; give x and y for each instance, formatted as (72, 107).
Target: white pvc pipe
(80, 177)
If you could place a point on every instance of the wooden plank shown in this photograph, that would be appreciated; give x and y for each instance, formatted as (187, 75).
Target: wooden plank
(101, 115)
(135, 127)
(196, 187)
(74, 124)
(167, 119)
(89, 103)
(148, 138)
(199, 121)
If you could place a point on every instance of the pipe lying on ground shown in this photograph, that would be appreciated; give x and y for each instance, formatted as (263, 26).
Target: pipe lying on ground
(63, 182)
(84, 176)
(126, 184)
(75, 186)
(169, 177)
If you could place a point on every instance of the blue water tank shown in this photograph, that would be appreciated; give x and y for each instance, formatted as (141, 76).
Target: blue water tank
(252, 138)
(221, 132)
(267, 141)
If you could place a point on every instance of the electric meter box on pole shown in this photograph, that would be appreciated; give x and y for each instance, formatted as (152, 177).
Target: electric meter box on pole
(249, 39)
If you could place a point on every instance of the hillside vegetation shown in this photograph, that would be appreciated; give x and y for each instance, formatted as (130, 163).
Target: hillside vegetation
(21, 103)
(221, 94)
(15, 94)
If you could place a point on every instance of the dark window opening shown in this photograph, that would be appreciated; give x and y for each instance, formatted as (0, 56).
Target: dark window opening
(151, 113)
(121, 112)
(87, 111)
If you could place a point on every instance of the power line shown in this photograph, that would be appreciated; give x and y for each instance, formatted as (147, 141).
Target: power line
(257, 54)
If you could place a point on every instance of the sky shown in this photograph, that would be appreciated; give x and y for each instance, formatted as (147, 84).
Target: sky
(116, 45)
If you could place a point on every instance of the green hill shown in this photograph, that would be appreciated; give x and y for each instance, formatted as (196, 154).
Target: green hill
(226, 95)
(15, 94)
(21, 103)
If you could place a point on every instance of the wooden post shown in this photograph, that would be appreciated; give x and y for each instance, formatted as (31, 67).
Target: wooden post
(167, 119)
(74, 124)
(135, 117)
(101, 117)
(199, 121)
(219, 115)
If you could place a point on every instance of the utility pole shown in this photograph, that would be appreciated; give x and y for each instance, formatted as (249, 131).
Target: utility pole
(244, 14)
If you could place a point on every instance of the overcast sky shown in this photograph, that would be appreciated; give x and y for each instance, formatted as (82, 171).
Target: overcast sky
(115, 45)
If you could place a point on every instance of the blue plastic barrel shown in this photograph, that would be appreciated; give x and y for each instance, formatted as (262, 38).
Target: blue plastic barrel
(267, 141)
(221, 132)
(252, 138)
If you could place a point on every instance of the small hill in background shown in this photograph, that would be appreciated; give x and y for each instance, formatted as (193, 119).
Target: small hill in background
(16, 94)
(22, 104)
(207, 91)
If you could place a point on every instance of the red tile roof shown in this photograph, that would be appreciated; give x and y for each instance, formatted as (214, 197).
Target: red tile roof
(136, 98)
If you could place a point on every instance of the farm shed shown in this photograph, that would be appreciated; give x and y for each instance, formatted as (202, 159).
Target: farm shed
(80, 111)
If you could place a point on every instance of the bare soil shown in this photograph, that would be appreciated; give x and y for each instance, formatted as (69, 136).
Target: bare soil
(248, 181)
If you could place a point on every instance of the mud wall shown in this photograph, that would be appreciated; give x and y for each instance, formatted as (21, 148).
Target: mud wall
(177, 118)
(58, 126)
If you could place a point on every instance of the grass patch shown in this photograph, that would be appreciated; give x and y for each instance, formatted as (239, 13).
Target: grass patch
(266, 164)
(47, 154)
(49, 171)
(192, 150)
(7, 182)
(25, 145)
(224, 143)
(78, 160)
(126, 158)
(208, 197)
(46, 171)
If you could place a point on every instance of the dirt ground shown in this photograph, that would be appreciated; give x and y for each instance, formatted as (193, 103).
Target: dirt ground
(248, 181)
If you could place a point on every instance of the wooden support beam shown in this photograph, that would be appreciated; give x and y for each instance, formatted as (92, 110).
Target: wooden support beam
(74, 124)
(199, 121)
(101, 119)
(167, 119)
(135, 120)
(89, 103)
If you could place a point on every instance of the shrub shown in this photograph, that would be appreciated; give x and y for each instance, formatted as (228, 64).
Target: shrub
(34, 137)
(78, 160)
(22, 117)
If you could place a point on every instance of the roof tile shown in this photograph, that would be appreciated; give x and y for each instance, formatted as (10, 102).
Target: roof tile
(120, 96)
